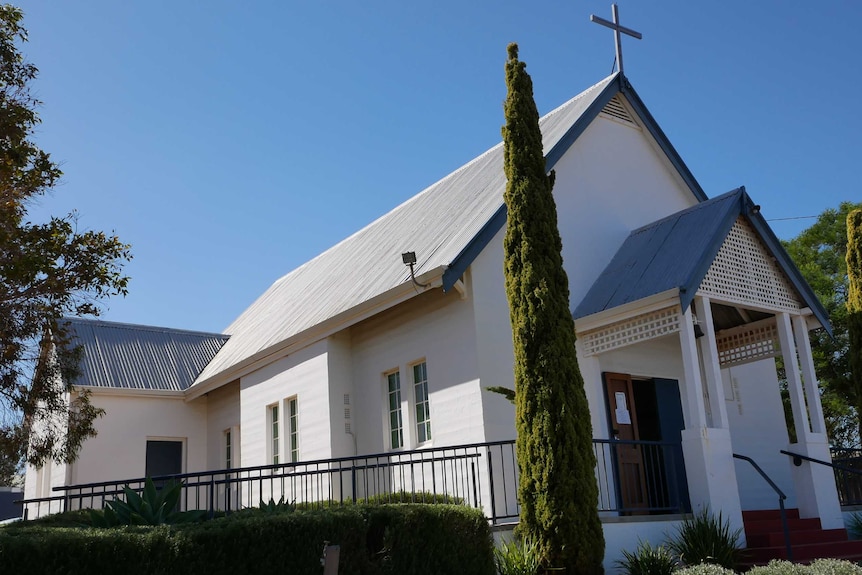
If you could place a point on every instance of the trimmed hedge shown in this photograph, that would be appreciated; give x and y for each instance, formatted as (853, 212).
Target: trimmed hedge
(375, 540)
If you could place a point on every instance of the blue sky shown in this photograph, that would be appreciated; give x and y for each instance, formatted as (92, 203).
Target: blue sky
(230, 142)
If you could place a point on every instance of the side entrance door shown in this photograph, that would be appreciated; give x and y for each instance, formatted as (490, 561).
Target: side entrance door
(631, 479)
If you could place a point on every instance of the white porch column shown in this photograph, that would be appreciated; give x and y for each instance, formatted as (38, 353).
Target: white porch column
(816, 494)
(707, 451)
(711, 366)
(809, 378)
(695, 415)
(794, 382)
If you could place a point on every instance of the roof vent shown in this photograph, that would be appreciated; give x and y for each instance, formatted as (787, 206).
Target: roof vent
(616, 110)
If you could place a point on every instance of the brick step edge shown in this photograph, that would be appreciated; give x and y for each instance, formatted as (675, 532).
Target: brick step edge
(803, 552)
(764, 514)
(774, 525)
(776, 538)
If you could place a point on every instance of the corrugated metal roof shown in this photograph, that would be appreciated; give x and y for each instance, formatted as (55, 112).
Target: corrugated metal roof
(121, 355)
(677, 251)
(437, 224)
(663, 255)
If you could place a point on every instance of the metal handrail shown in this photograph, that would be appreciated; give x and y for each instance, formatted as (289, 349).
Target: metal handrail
(798, 458)
(781, 498)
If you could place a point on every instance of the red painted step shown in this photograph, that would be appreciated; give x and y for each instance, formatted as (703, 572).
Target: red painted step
(765, 537)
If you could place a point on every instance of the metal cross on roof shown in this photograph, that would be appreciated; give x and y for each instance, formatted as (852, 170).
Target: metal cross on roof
(615, 26)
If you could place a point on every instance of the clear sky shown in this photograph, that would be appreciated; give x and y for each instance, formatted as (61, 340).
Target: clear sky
(229, 142)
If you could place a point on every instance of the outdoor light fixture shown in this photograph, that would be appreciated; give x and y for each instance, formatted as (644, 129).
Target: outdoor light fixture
(698, 331)
(409, 259)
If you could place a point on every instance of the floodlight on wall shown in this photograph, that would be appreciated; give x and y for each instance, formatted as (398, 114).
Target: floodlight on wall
(698, 331)
(409, 259)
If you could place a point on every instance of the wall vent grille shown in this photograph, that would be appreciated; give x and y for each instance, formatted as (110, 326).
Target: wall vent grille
(617, 110)
(346, 413)
(346, 399)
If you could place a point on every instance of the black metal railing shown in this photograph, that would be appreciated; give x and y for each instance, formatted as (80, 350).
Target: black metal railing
(847, 465)
(781, 497)
(633, 477)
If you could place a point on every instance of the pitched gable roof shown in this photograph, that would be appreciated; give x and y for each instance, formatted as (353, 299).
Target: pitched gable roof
(677, 252)
(447, 225)
(121, 355)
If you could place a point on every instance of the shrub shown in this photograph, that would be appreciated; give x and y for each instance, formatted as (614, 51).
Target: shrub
(706, 538)
(834, 567)
(374, 540)
(412, 497)
(705, 569)
(776, 567)
(517, 557)
(648, 560)
(854, 526)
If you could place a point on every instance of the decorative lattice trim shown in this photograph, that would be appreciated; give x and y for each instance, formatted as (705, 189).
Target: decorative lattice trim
(747, 343)
(744, 272)
(633, 330)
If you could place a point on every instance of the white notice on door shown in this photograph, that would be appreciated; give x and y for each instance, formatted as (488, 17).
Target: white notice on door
(622, 413)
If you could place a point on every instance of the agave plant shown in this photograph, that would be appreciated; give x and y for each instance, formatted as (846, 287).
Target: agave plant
(706, 538)
(280, 506)
(648, 560)
(517, 558)
(152, 507)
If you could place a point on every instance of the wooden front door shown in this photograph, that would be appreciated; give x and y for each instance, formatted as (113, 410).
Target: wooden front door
(631, 480)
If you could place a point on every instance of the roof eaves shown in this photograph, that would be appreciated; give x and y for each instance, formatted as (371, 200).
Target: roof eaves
(659, 136)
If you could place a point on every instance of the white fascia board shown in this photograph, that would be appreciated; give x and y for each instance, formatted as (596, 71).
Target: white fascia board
(648, 304)
(132, 392)
(382, 302)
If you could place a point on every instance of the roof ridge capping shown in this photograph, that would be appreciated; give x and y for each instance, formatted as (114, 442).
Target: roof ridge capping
(139, 327)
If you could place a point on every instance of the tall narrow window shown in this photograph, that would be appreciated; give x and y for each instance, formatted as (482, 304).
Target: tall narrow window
(228, 456)
(293, 429)
(274, 436)
(423, 413)
(396, 432)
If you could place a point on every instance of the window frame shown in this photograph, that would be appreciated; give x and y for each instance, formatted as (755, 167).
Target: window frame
(392, 430)
(292, 429)
(274, 434)
(423, 402)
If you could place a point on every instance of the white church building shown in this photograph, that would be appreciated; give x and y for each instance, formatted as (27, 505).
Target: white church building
(350, 377)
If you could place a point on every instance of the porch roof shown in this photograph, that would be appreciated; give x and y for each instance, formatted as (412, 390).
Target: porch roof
(677, 251)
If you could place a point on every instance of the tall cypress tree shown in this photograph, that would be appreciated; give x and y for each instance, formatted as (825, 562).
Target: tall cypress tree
(557, 490)
(854, 303)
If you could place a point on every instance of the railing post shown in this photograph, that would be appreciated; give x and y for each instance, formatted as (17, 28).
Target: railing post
(491, 484)
(212, 497)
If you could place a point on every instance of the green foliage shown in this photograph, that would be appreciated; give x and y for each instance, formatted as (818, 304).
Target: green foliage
(517, 557)
(820, 254)
(47, 271)
(374, 540)
(817, 567)
(854, 525)
(648, 560)
(705, 569)
(854, 303)
(152, 507)
(504, 391)
(425, 497)
(557, 489)
(706, 538)
(776, 567)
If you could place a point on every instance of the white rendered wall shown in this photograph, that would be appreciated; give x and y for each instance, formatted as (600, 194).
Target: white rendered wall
(119, 450)
(304, 375)
(223, 414)
(757, 429)
(340, 366)
(439, 329)
(609, 183)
